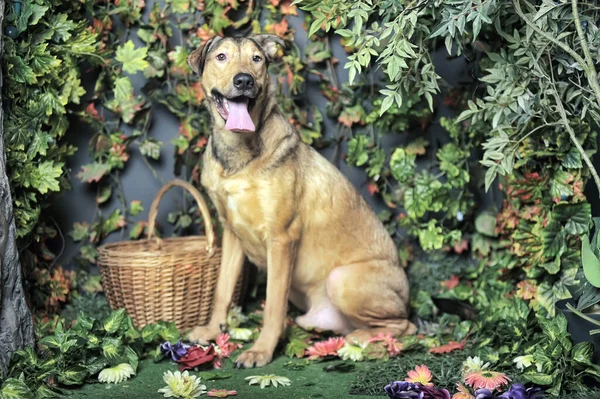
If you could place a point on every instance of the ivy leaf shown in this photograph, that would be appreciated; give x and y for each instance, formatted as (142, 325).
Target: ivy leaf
(40, 142)
(60, 26)
(431, 237)
(133, 59)
(135, 208)
(124, 102)
(151, 148)
(73, 376)
(80, 232)
(45, 177)
(180, 6)
(417, 147)
(137, 230)
(402, 165)
(21, 72)
(582, 353)
(93, 172)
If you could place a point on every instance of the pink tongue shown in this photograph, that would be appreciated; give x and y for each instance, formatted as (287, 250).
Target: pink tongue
(239, 118)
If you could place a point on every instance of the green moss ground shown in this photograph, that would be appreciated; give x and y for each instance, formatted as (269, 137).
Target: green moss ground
(310, 382)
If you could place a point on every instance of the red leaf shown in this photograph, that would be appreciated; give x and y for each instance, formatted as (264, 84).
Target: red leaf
(449, 347)
(372, 188)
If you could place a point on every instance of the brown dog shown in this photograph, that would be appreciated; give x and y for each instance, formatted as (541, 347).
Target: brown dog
(290, 212)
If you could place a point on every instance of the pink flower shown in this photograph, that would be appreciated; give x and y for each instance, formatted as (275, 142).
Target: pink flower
(226, 348)
(392, 345)
(421, 375)
(326, 348)
(485, 379)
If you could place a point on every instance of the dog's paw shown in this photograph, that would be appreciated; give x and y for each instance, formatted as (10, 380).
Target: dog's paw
(203, 335)
(253, 358)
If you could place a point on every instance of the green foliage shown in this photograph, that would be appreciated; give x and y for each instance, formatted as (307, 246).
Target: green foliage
(41, 83)
(72, 356)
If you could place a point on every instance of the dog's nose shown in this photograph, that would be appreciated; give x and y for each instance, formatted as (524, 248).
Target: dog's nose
(243, 81)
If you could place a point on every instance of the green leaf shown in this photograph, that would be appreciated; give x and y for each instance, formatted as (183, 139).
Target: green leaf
(582, 353)
(133, 59)
(296, 348)
(21, 72)
(14, 388)
(485, 224)
(591, 264)
(136, 208)
(61, 27)
(111, 347)
(402, 165)
(538, 378)
(93, 172)
(576, 216)
(74, 376)
(115, 321)
(213, 376)
(84, 323)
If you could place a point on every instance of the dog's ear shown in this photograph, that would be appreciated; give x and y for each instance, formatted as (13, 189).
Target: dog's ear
(197, 58)
(269, 43)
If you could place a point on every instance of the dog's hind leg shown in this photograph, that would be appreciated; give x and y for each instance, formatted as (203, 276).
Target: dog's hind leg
(373, 296)
(231, 266)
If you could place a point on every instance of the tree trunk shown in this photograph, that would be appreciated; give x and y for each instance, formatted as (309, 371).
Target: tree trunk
(16, 325)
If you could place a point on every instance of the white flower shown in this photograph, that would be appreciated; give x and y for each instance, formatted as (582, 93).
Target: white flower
(523, 362)
(116, 374)
(240, 334)
(182, 385)
(352, 352)
(266, 380)
(235, 317)
(460, 216)
(474, 364)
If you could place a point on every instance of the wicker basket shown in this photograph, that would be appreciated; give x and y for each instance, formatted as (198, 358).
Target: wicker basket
(170, 279)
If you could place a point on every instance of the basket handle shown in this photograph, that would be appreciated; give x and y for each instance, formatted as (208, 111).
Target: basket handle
(208, 226)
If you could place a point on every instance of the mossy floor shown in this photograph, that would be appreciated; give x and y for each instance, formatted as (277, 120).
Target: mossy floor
(310, 382)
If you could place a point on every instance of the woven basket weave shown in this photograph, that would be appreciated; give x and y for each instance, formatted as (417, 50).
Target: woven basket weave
(170, 279)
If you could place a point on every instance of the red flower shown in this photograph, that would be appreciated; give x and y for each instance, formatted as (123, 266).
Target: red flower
(197, 356)
(449, 347)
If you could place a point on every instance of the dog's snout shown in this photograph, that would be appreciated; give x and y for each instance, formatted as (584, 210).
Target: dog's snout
(243, 81)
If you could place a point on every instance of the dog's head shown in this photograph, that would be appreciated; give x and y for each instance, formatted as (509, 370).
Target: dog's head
(235, 78)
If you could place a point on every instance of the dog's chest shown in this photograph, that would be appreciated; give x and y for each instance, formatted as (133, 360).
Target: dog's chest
(237, 200)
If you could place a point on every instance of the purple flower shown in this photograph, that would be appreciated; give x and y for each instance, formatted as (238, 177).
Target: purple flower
(430, 392)
(176, 351)
(403, 390)
(518, 391)
(484, 394)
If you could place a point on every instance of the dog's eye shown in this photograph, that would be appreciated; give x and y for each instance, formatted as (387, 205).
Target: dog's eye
(221, 57)
(257, 58)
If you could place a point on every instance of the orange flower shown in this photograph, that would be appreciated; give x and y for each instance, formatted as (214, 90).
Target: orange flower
(326, 348)
(449, 347)
(485, 379)
(463, 392)
(421, 375)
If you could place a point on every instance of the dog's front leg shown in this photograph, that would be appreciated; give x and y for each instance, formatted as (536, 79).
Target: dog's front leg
(280, 262)
(231, 266)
